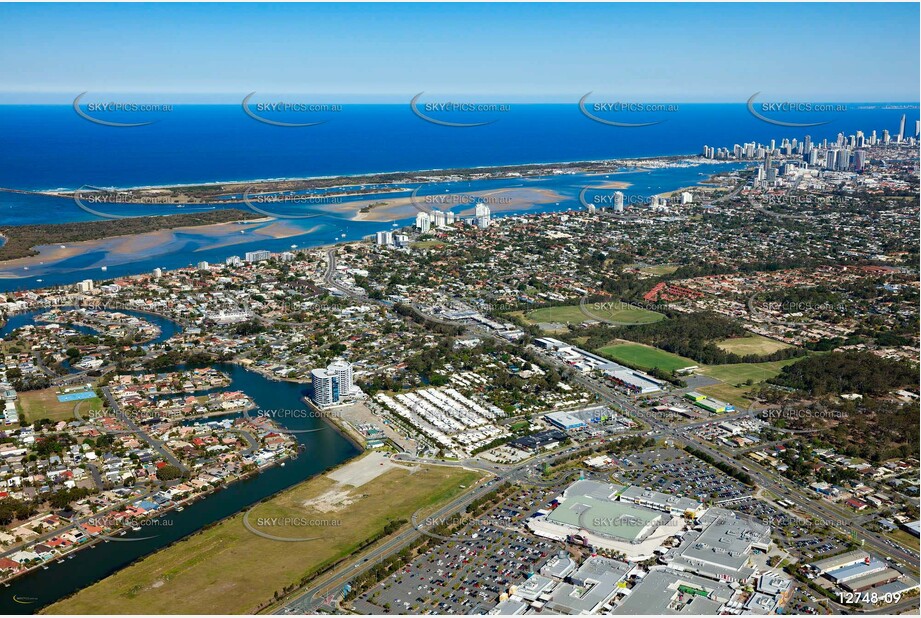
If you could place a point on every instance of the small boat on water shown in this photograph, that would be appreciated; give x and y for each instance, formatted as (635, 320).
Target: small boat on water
(282, 464)
(180, 509)
(123, 533)
(136, 528)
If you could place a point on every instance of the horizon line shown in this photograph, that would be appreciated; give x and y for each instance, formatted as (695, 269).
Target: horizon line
(402, 100)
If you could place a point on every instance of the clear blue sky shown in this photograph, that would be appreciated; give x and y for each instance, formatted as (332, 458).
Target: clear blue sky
(539, 52)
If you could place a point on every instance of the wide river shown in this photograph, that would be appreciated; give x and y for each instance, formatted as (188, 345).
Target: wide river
(186, 247)
(324, 449)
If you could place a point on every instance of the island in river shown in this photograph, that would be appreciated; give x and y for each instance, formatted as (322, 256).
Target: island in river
(22, 241)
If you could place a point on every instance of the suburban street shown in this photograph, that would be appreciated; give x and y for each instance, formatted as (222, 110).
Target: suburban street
(327, 592)
(135, 428)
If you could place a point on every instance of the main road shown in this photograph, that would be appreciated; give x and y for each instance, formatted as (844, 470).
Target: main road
(764, 478)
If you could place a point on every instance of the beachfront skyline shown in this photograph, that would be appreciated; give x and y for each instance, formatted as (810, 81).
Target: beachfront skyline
(384, 52)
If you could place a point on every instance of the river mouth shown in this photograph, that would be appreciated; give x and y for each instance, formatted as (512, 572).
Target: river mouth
(321, 450)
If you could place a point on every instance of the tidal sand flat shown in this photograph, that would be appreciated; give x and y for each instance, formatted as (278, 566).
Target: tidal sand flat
(498, 200)
(46, 254)
(135, 247)
(615, 184)
(274, 231)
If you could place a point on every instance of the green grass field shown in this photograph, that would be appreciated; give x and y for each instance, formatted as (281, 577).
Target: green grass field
(659, 269)
(755, 344)
(740, 372)
(728, 393)
(644, 357)
(44, 403)
(617, 312)
(546, 329)
(427, 244)
(733, 388)
(229, 570)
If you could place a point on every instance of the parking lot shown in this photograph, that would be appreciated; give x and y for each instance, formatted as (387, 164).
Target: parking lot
(467, 577)
(798, 535)
(676, 472)
(495, 551)
(804, 602)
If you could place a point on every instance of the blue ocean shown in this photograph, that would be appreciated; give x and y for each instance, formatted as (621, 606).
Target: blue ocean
(50, 146)
(47, 147)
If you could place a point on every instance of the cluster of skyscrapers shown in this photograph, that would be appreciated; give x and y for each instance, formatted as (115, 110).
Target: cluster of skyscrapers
(426, 221)
(846, 153)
